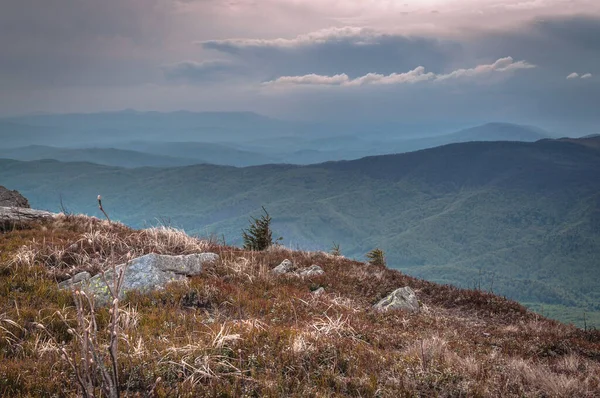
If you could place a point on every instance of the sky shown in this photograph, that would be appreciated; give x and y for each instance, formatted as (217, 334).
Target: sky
(523, 61)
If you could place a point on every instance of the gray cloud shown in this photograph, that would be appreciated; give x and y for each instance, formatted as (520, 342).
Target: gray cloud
(323, 52)
(206, 71)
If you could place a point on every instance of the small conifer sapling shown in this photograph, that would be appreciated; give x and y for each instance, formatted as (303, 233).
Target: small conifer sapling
(258, 236)
(376, 257)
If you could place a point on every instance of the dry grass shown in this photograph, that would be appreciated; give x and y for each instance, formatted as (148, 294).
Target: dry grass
(237, 330)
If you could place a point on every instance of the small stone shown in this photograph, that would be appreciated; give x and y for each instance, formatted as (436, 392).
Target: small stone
(285, 267)
(320, 291)
(313, 270)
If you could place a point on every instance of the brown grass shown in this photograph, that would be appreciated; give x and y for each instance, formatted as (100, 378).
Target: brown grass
(237, 330)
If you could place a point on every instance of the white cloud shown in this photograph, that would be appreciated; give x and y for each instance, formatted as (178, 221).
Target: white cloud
(576, 75)
(314, 79)
(414, 76)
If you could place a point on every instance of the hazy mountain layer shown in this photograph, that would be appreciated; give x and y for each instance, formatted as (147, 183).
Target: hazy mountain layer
(232, 138)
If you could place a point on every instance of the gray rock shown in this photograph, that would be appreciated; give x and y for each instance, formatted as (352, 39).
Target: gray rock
(320, 291)
(285, 267)
(19, 215)
(144, 274)
(313, 270)
(10, 198)
(400, 299)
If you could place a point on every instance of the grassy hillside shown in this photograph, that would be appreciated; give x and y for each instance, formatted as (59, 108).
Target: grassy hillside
(521, 219)
(239, 330)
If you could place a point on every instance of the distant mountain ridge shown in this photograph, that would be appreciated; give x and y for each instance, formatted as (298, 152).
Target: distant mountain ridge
(103, 156)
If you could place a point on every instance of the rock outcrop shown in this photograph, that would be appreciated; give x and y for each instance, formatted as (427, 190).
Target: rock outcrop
(400, 299)
(10, 198)
(144, 274)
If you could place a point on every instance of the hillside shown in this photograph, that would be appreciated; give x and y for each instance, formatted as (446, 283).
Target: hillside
(237, 329)
(521, 219)
(102, 156)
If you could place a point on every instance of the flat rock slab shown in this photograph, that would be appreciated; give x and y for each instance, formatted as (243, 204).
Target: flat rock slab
(21, 214)
(400, 299)
(147, 273)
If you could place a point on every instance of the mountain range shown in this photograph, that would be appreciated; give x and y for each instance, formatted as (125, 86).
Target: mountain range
(521, 219)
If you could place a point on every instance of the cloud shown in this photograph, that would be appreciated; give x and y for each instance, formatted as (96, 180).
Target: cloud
(199, 71)
(416, 75)
(586, 76)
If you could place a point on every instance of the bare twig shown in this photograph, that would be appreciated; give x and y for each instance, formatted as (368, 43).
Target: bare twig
(101, 208)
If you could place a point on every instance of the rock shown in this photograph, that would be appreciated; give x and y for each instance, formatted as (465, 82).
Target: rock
(145, 274)
(10, 216)
(10, 198)
(400, 299)
(313, 270)
(285, 267)
(320, 291)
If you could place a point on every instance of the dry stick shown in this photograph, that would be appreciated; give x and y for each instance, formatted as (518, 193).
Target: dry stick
(67, 358)
(101, 208)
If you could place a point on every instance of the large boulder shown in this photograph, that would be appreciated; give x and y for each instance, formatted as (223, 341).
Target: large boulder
(10, 198)
(144, 274)
(400, 299)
